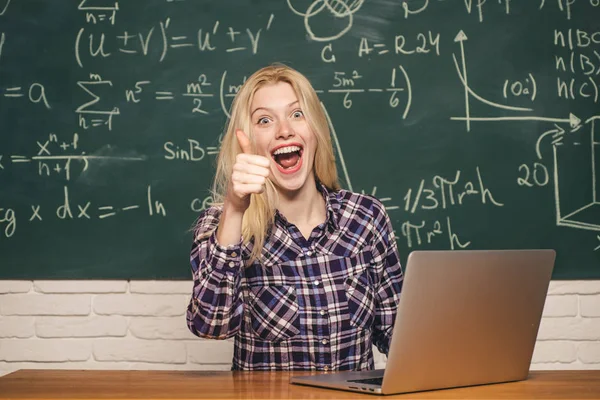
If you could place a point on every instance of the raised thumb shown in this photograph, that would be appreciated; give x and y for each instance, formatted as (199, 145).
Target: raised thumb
(244, 141)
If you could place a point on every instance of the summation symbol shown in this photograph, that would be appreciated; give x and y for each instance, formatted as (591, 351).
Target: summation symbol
(90, 108)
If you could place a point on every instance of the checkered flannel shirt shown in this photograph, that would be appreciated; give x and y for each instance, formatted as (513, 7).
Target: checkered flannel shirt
(316, 304)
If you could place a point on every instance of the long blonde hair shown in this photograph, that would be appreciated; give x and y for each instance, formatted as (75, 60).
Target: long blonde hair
(260, 215)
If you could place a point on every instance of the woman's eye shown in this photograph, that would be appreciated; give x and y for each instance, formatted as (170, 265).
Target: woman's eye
(298, 114)
(263, 120)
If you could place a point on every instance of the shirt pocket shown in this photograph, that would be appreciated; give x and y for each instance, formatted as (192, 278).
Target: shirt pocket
(361, 299)
(274, 312)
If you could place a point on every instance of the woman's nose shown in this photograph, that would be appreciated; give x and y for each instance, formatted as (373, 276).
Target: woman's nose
(285, 130)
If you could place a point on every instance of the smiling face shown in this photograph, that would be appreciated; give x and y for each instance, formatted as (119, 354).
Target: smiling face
(282, 134)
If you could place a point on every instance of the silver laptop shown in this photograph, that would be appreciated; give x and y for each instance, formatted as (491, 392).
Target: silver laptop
(466, 317)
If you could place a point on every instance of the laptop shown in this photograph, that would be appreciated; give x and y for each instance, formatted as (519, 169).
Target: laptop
(465, 317)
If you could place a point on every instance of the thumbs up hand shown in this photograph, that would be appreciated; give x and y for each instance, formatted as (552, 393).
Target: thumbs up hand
(250, 173)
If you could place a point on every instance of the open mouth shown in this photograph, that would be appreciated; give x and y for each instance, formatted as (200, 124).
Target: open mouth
(288, 158)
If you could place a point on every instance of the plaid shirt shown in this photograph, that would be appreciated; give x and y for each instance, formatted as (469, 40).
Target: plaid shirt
(316, 304)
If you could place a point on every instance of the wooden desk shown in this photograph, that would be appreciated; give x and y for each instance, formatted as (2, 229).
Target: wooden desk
(65, 384)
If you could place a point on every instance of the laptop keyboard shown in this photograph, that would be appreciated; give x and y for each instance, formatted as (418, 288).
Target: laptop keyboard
(369, 381)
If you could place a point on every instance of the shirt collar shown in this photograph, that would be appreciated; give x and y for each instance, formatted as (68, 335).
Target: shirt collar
(332, 205)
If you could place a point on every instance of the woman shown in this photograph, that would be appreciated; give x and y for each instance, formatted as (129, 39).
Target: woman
(304, 275)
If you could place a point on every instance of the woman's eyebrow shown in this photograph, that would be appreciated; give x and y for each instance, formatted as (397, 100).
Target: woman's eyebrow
(270, 110)
(259, 108)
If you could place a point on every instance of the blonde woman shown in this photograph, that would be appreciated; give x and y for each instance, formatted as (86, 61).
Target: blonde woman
(304, 275)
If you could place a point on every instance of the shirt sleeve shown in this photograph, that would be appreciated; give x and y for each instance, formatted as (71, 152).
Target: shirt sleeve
(215, 309)
(389, 285)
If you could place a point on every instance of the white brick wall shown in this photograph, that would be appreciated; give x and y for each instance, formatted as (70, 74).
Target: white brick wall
(569, 336)
(141, 325)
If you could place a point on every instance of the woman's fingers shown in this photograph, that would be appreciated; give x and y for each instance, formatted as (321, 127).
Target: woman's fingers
(244, 189)
(250, 173)
(242, 177)
(251, 169)
(252, 159)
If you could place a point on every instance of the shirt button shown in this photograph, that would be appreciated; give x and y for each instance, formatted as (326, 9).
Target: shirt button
(316, 283)
(308, 253)
(324, 341)
(231, 264)
(234, 254)
(323, 312)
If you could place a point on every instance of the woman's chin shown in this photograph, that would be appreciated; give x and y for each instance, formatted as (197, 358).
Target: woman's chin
(287, 183)
(289, 186)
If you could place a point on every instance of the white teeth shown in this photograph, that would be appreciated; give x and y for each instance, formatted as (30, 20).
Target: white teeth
(287, 149)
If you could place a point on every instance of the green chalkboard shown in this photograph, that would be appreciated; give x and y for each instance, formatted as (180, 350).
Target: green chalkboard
(476, 123)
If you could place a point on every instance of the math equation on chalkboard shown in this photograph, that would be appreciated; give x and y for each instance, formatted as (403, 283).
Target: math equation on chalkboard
(474, 122)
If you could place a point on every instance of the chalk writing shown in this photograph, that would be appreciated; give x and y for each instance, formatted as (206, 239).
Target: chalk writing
(473, 122)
